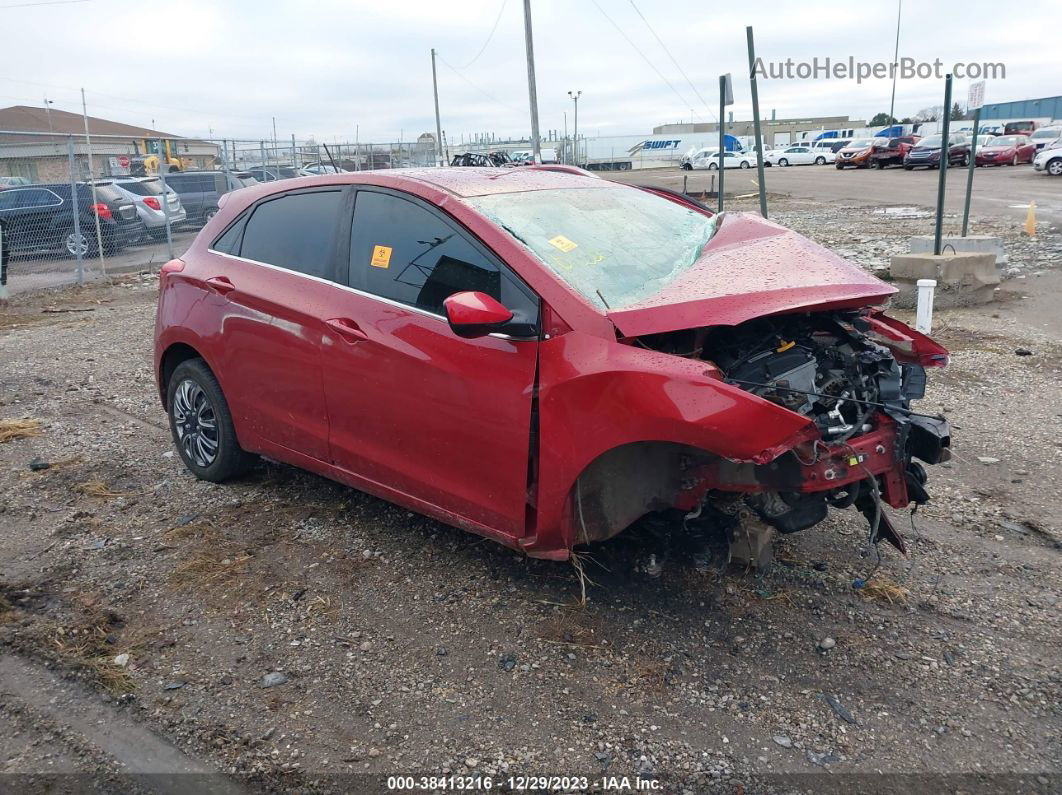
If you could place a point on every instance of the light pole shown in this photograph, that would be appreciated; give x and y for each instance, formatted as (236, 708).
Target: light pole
(575, 98)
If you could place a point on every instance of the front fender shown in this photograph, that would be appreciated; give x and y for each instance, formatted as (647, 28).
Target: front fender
(596, 394)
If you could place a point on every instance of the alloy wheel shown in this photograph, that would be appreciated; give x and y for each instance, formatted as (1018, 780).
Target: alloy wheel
(196, 423)
(76, 243)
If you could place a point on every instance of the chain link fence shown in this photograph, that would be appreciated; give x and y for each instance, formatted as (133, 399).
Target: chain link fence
(77, 208)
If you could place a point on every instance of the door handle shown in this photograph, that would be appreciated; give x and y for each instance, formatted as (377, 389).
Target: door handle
(220, 285)
(347, 329)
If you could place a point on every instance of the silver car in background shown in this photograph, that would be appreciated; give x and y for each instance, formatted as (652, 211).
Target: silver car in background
(146, 193)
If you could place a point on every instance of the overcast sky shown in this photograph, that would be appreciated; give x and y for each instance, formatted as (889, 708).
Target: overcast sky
(198, 67)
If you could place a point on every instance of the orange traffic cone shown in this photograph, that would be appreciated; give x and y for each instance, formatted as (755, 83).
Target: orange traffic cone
(1030, 220)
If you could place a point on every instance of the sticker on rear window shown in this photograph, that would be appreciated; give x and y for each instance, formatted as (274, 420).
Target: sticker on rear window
(563, 243)
(381, 257)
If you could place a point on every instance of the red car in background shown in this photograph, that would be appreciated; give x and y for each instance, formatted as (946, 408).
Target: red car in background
(1006, 150)
(541, 357)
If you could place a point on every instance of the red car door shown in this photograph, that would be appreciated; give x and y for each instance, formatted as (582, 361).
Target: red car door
(271, 271)
(413, 408)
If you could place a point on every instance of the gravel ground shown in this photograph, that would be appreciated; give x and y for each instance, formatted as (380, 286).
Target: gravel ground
(293, 633)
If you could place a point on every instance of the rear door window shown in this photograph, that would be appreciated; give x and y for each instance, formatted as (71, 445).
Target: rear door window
(296, 231)
(401, 251)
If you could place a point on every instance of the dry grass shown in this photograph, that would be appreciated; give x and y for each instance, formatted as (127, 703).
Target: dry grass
(98, 488)
(210, 566)
(83, 642)
(18, 429)
(885, 591)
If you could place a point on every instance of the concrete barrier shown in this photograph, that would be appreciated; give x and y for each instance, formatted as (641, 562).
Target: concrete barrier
(962, 279)
(973, 244)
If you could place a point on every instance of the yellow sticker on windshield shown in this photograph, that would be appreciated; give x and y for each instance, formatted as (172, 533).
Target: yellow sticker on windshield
(381, 257)
(563, 243)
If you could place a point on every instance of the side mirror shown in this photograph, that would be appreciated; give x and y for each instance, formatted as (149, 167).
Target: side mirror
(474, 314)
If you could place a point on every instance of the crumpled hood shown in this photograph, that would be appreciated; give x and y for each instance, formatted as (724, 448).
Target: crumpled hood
(752, 268)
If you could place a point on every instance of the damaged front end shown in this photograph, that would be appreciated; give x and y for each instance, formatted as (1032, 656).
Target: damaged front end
(854, 374)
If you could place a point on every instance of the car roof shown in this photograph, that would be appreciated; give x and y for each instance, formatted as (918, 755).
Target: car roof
(468, 182)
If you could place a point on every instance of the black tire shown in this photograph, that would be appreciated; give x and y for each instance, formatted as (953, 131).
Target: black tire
(880, 164)
(745, 164)
(783, 162)
(820, 161)
(1014, 160)
(687, 167)
(228, 459)
(712, 166)
(1054, 167)
(908, 168)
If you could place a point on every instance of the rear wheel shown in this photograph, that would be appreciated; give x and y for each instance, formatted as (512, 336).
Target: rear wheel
(820, 161)
(1054, 168)
(783, 162)
(840, 167)
(201, 424)
(744, 164)
(687, 167)
(75, 243)
(712, 166)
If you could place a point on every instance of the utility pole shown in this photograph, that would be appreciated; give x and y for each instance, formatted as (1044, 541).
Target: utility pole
(531, 90)
(438, 122)
(567, 143)
(756, 122)
(48, 112)
(91, 176)
(575, 99)
(895, 59)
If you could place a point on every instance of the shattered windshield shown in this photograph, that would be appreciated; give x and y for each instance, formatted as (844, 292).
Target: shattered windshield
(614, 246)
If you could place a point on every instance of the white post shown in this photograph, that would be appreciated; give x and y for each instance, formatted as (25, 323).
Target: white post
(924, 314)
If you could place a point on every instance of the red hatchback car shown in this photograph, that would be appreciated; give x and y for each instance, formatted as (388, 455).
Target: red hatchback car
(541, 357)
(1006, 150)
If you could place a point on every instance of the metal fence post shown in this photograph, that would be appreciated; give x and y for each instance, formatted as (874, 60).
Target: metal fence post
(76, 210)
(166, 211)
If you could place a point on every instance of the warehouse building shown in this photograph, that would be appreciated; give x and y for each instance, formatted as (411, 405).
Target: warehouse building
(41, 153)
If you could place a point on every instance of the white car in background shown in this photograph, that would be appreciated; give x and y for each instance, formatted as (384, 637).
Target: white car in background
(799, 155)
(1044, 136)
(709, 159)
(1049, 158)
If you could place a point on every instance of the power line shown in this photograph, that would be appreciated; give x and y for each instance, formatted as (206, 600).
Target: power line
(44, 3)
(481, 90)
(672, 57)
(660, 74)
(490, 36)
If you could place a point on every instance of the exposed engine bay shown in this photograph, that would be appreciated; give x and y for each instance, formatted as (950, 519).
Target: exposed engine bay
(854, 374)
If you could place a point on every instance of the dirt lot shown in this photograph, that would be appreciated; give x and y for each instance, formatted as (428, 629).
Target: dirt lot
(290, 633)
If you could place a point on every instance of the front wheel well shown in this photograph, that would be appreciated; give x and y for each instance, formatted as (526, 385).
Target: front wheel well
(625, 483)
(175, 354)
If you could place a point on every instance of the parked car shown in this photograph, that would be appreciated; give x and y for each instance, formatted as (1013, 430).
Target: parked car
(200, 190)
(41, 217)
(709, 159)
(891, 151)
(856, 153)
(273, 173)
(927, 152)
(146, 194)
(14, 182)
(799, 155)
(1044, 136)
(317, 169)
(542, 360)
(1048, 159)
(1006, 150)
